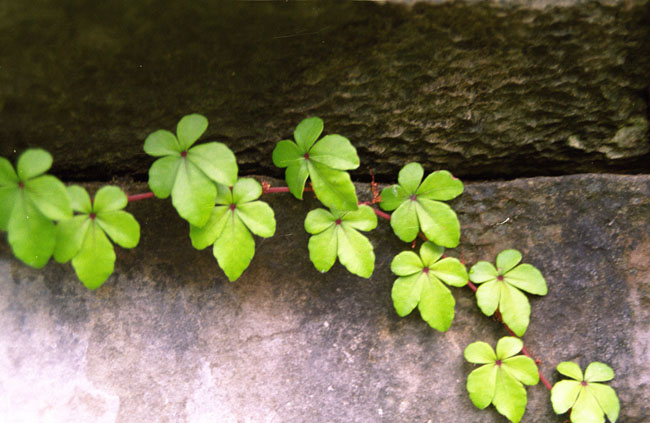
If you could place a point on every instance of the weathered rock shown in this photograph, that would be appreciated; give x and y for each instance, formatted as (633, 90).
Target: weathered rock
(485, 89)
(168, 339)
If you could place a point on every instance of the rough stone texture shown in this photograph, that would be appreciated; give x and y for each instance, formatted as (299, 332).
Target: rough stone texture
(485, 89)
(168, 339)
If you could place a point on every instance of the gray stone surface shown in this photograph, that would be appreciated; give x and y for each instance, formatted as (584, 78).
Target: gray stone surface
(485, 89)
(168, 339)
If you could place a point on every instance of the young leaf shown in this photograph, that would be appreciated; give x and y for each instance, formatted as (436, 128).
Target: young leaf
(325, 162)
(500, 379)
(335, 234)
(501, 288)
(419, 207)
(230, 223)
(590, 401)
(189, 173)
(420, 284)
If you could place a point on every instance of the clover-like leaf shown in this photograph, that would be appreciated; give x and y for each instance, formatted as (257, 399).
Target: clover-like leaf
(500, 379)
(419, 206)
(84, 238)
(29, 203)
(230, 223)
(324, 161)
(501, 288)
(187, 173)
(589, 400)
(336, 234)
(420, 284)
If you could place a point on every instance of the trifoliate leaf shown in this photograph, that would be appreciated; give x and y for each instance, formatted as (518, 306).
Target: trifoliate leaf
(95, 261)
(324, 161)
(335, 234)
(501, 377)
(30, 234)
(501, 288)
(420, 283)
(418, 206)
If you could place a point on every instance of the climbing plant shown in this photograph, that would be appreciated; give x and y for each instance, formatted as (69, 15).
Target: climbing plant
(43, 218)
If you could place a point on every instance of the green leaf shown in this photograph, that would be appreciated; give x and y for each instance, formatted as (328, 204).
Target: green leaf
(430, 253)
(406, 263)
(440, 185)
(363, 219)
(258, 218)
(480, 353)
(70, 234)
(96, 259)
(404, 221)
(481, 385)
(438, 222)
(286, 153)
(31, 235)
(245, 190)
(586, 409)
(509, 397)
(193, 194)
(410, 176)
(323, 249)
(207, 234)
(336, 152)
(522, 368)
(570, 369)
(451, 271)
(296, 176)
(527, 278)
(8, 196)
(33, 162)
(109, 198)
(406, 293)
(189, 129)
(598, 372)
(514, 308)
(7, 174)
(607, 399)
(436, 304)
(392, 197)
(121, 226)
(482, 271)
(355, 252)
(564, 395)
(224, 195)
(307, 132)
(488, 296)
(162, 175)
(318, 220)
(333, 188)
(50, 197)
(507, 259)
(216, 160)
(79, 199)
(162, 143)
(508, 346)
(235, 248)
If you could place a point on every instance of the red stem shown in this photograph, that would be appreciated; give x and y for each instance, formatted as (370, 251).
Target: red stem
(138, 197)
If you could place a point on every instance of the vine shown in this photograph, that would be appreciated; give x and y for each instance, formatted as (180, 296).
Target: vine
(43, 218)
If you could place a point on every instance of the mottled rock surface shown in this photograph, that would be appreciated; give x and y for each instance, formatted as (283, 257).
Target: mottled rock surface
(485, 89)
(168, 339)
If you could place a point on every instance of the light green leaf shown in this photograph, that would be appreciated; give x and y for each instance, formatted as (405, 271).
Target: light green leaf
(481, 384)
(323, 249)
(162, 175)
(33, 162)
(607, 399)
(564, 395)
(96, 259)
(515, 309)
(436, 304)
(410, 176)
(189, 129)
(121, 226)
(318, 220)
(70, 234)
(333, 188)
(440, 185)
(404, 221)
(598, 372)
(480, 353)
(79, 199)
(522, 368)
(570, 369)
(508, 346)
(258, 218)
(216, 160)
(488, 296)
(307, 132)
(8, 196)
(49, 196)
(162, 143)
(507, 259)
(7, 174)
(193, 194)
(392, 197)
(450, 271)
(406, 263)
(31, 235)
(336, 152)
(355, 252)
(235, 248)
(438, 222)
(286, 153)
(245, 190)
(406, 292)
(363, 219)
(296, 176)
(109, 198)
(586, 409)
(207, 234)
(430, 253)
(482, 271)
(527, 278)
(224, 195)
(509, 397)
